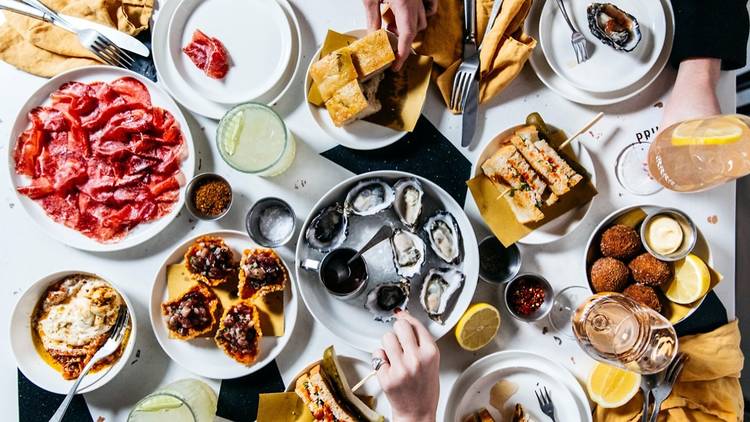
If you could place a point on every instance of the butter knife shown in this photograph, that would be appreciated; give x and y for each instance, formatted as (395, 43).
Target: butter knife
(123, 40)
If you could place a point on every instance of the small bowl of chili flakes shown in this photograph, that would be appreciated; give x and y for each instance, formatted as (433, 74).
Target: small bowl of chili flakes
(529, 297)
(208, 196)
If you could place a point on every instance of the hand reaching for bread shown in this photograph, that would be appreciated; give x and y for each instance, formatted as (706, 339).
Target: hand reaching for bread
(410, 17)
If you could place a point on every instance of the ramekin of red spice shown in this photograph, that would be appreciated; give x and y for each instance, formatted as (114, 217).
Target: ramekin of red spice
(528, 297)
(208, 196)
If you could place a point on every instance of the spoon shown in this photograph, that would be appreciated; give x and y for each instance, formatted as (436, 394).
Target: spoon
(385, 232)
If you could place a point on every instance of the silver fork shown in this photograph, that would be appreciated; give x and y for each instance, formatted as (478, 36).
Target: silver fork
(92, 40)
(467, 72)
(648, 382)
(664, 387)
(545, 403)
(579, 43)
(109, 347)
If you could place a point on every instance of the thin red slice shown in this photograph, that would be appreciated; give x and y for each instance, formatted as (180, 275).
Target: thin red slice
(208, 54)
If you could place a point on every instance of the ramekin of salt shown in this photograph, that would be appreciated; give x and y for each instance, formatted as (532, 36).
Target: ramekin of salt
(270, 222)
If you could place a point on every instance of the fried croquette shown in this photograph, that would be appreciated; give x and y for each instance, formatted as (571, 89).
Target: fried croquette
(650, 271)
(645, 295)
(620, 241)
(609, 275)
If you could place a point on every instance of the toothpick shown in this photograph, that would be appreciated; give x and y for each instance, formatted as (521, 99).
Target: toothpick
(363, 381)
(583, 129)
(500, 189)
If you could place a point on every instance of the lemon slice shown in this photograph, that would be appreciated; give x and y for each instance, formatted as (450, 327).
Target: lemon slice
(478, 326)
(691, 281)
(718, 131)
(230, 137)
(159, 403)
(611, 387)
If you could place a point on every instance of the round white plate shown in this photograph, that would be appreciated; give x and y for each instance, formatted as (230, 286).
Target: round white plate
(349, 319)
(257, 37)
(33, 366)
(529, 372)
(565, 89)
(562, 225)
(143, 231)
(359, 134)
(354, 370)
(607, 69)
(201, 356)
(186, 94)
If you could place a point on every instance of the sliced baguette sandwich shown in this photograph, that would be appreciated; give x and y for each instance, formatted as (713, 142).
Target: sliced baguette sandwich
(372, 54)
(545, 160)
(525, 198)
(333, 72)
(354, 101)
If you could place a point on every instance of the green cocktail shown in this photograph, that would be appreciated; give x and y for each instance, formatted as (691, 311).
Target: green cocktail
(187, 400)
(252, 138)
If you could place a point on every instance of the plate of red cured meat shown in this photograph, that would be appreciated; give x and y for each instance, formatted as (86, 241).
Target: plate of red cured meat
(229, 51)
(98, 157)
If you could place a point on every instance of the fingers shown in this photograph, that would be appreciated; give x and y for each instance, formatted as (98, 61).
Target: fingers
(392, 347)
(406, 336)
(406, 21)
(423, 335)
(372, 8)
(431, 7)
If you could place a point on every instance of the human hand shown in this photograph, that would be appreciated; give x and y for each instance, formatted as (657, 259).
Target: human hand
(410, 18)
(409, 375)
(694, 92)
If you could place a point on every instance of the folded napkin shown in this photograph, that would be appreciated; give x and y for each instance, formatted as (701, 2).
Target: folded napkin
(46, 50)
(708, 388)
(503, 55)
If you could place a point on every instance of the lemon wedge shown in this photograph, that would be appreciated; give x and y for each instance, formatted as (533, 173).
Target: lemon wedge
(718, 131)
(611, 387)
(691, 281)
(477, 327)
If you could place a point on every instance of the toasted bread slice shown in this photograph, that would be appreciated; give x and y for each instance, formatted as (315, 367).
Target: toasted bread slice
(261, 272)
(372, 54)
(333, 72)
(239, 332)
(545, 160)
(210, 261)
(354, 101)
(320, 400)
(193, 314)
(508, 166)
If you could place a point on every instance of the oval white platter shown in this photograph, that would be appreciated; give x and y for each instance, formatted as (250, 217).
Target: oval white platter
(70, 237)
(201, 356)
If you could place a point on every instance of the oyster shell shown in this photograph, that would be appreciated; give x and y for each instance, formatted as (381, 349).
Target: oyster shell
(328, 229)
(408, 203)
(613, 26)
(439, 287)
(408, 252)
(445, 237)
(385, 298)
(369, 197)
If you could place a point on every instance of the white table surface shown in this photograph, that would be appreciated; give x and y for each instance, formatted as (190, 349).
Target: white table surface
(28, 254)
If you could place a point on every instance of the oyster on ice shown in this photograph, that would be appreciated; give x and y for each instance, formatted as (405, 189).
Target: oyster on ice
(369, 197)
(445, 237)
(408, 252)
(385, 298)
(408, 203)
(439, 287)
(328, 229)
(613, 26)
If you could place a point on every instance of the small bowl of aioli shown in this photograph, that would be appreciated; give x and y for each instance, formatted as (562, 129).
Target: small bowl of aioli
(669, 234)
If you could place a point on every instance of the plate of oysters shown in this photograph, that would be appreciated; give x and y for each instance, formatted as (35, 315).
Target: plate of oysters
(429, 265)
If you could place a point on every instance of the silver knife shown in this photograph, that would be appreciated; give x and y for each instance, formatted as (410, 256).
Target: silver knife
(122, 39)
(471, 101)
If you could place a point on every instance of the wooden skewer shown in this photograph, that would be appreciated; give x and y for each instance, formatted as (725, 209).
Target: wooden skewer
(503, 191)
(363, 381)
(583, 129)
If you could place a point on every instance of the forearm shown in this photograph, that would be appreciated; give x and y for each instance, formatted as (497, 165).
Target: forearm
(694, 91)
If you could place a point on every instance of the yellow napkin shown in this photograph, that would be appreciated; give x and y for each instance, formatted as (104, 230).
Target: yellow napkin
(708, 388)
(503, 54)
(282, 407)
(45, 50)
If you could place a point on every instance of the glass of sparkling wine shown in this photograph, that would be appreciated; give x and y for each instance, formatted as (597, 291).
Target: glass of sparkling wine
(185, 400)
(617, 330)
(252, 138)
